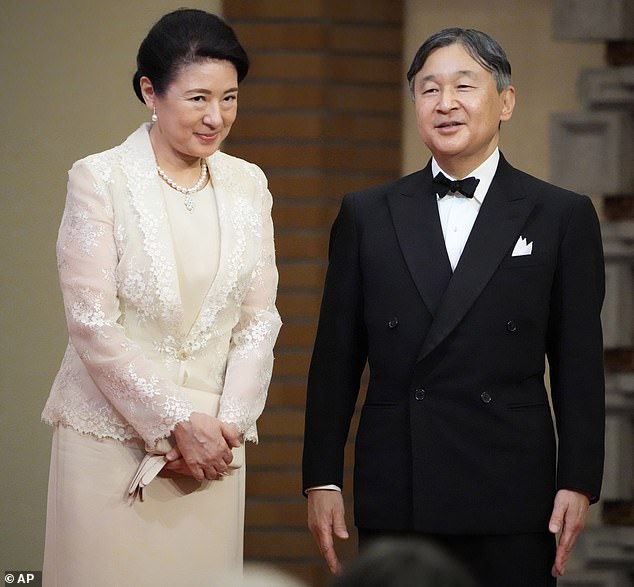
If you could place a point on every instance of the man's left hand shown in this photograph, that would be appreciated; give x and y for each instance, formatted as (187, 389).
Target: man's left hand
(569, 518)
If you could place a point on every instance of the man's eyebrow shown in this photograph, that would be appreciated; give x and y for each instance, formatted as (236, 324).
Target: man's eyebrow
(466, 72)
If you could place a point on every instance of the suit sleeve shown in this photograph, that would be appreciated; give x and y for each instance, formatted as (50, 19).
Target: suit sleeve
(339, 356)
(575, 352)
(87, 261)
(250, 358)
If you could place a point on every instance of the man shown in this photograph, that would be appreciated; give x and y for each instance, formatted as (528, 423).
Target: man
(454, 300)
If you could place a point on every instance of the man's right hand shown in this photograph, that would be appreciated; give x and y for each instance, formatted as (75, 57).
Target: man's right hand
(326, 516)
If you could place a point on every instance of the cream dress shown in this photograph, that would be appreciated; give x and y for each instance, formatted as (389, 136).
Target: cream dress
(183, 532)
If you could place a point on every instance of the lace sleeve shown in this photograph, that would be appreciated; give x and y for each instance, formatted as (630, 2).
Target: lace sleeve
(87, 260)
(250, 359)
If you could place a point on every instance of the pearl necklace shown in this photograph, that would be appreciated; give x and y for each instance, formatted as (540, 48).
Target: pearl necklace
(187, 192)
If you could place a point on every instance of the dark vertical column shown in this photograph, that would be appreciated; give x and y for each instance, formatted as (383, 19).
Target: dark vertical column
(320, 112)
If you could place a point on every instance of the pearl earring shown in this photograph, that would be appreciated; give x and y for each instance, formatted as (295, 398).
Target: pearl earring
(154, 116)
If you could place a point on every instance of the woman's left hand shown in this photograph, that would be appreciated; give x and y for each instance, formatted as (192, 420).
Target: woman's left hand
(176, 466)
(203, 448)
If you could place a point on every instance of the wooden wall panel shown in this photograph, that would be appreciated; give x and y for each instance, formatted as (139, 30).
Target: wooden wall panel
(307, 273)
(288, 66)
(299, 215)
(284, 36)
(320, 112)
(292, 364)
(365, 69)
(284, 393)
(366, 11)
(375, 39)
(271, 10)
(273, 96)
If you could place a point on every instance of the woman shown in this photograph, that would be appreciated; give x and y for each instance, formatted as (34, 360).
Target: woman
(167, 270)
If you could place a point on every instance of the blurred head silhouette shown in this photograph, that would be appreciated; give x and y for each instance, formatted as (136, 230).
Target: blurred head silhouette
(403, 563)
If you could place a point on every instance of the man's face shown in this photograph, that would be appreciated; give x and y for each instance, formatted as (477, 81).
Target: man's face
(458, 109)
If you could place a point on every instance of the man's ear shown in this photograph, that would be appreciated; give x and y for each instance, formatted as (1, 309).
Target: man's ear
(508, 103)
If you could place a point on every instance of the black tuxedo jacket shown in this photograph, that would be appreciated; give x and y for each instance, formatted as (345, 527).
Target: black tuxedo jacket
(456, 433)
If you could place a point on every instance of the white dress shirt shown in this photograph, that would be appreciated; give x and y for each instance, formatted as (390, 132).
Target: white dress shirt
(458, 213)
(457, 217)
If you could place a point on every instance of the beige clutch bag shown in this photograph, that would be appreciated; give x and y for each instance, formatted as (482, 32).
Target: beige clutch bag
(152, 463)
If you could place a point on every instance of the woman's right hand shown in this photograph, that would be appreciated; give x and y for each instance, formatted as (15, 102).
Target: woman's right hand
(203, 447)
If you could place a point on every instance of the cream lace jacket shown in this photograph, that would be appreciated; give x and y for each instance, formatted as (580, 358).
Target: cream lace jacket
(127, 359)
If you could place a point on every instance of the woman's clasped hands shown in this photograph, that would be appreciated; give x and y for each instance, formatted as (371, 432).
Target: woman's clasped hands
(203, 447)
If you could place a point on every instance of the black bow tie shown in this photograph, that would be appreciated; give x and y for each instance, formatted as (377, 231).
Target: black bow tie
(466, 186)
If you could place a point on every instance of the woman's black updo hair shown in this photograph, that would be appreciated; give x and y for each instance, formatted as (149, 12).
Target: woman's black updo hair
(181, 38)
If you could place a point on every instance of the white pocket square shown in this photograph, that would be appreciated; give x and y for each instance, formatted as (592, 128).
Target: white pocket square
(522, 247)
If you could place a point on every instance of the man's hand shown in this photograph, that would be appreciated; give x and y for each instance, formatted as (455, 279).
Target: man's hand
(326, 515)
(568, 517)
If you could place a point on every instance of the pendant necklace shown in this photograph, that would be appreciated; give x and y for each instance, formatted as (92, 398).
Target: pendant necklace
(187, 192)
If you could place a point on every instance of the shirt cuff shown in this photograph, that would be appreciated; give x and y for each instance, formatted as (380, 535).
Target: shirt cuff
(328, 487)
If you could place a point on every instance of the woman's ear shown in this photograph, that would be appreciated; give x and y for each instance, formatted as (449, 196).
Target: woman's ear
(147, 90)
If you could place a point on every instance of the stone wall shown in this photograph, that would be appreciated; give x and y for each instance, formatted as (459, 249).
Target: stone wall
(592, 151)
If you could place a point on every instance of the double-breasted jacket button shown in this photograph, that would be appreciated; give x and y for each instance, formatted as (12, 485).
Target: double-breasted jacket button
(393, 323)
(419, 394)
(485, 396)
(511, 326)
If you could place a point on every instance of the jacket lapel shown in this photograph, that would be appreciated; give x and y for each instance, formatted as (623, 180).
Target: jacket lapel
(504, 212)
(234, 216)
(144, 188)
(231, 221)
(416, 221)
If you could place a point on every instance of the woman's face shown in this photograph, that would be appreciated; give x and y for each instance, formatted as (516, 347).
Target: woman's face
(196, 111)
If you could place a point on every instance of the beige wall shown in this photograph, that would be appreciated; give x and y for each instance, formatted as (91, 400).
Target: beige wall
(65, 92)
(544, 71)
